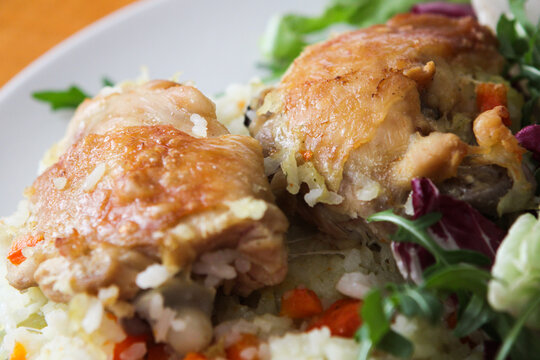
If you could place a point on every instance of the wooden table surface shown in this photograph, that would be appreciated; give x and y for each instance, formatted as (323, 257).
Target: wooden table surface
(28, 28)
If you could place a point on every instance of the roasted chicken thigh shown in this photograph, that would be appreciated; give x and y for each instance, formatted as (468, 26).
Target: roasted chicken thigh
(357, 117)
(147, 177)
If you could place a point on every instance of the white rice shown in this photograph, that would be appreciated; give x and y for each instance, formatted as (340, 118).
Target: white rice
(94, 177)
(60, 182)
(356, 284)
(152, 277)
(314, 345)
(218, 266)
(93, 317)
(232, 104)
(78, 330)
(200, 125)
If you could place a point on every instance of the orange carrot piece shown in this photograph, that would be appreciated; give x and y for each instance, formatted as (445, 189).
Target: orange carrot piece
(490, 95)
(300, 304)
(234, 352)
(195, 356)
(19, 352)
(342, 318)
(15, 253)
(120, 347)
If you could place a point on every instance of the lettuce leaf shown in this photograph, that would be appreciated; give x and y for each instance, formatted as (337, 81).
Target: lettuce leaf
(287, 35)
(516, 271)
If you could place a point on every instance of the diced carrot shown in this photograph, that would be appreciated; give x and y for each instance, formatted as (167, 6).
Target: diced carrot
(19, 352)
(237, 351)
(300, 304)
(342, 318)
(15, 253)
(111, 316)
(195, 356)
(490, 95)
(307, 155)
(120, 347)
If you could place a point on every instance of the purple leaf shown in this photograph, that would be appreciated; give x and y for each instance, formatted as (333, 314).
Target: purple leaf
(461, 227)
(529, 138)
(444, 8)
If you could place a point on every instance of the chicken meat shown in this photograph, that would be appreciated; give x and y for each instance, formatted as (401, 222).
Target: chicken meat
(147, 176)
(356, 118)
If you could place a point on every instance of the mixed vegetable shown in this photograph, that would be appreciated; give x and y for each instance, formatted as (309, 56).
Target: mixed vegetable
(459, 279)
(463, 268)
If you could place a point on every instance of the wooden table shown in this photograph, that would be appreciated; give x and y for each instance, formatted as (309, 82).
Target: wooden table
(28, 28)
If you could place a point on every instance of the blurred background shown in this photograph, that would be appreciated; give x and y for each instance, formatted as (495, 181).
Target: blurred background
(31, 27)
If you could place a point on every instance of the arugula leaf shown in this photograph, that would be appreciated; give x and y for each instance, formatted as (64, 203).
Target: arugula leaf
(413, 231)
(397, 345)
(70, 98)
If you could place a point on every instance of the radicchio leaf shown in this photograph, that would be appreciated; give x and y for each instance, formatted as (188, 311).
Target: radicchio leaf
(461, 227)
(529, 138)
(444, 8)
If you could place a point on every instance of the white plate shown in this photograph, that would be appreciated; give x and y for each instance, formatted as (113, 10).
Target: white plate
(213, 42)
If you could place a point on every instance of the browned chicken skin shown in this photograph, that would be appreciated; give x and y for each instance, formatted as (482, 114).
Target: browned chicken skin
(135, 187)
(357, 117)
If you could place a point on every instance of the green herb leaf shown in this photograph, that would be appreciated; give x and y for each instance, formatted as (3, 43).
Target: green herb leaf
(107, 82)
(70, 98)
(413, 231)
(467, 256)
(474, 316)
(374, 316)
(420, 302)
(397, 345)
(517, 7)
(375, 323)
(459, 277)
(366, 345)
(514, 332)
(519, 43)
(67, 99)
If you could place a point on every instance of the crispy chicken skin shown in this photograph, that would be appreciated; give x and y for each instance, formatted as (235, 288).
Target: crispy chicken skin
(371, 109)
(135, 187)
